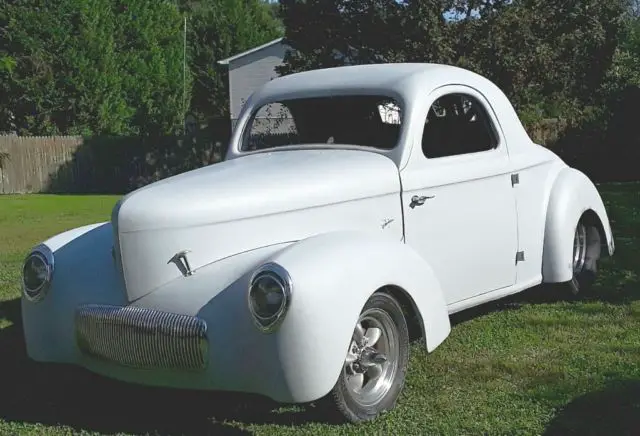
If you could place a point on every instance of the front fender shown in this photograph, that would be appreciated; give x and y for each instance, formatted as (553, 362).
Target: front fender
(572, 195)
(333, 276)
(84, 273)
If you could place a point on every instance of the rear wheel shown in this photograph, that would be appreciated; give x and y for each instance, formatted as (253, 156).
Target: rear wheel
(586, 252)
(374, 370)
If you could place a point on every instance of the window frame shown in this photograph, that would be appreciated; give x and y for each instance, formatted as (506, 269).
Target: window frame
(479, 98)
(402, 126)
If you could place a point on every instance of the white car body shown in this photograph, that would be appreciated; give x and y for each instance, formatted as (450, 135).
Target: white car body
(338, 218)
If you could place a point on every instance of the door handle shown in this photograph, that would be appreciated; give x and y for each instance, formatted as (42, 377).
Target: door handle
(419, 200)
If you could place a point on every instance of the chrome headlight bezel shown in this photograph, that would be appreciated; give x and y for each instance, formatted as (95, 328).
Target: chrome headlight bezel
(43, 254)
(280, 275)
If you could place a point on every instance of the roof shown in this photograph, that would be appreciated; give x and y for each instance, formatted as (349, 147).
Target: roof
(397, 78)
(401, 81)
(248, 52)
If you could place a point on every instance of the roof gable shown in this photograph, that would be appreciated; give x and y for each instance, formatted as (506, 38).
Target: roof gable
(248, 52)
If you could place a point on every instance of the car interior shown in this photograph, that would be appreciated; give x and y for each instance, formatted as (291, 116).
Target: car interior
(457, 124)
(350, 120)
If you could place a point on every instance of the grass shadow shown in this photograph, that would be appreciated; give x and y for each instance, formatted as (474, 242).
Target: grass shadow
(62, 395)
(541, 294)
(621, 290)
(613, 410)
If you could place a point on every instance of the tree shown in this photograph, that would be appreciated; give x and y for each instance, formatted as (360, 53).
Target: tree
(338, 32)
(332, 33)
(549, 57)
(92, 67)
(626, 63)
(216, 30)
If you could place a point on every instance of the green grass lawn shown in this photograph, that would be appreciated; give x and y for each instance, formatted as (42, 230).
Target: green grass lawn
(532, 364)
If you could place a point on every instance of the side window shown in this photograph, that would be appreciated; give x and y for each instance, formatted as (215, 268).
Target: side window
(457, 124)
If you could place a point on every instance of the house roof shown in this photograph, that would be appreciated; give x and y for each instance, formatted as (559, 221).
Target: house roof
(248, 52)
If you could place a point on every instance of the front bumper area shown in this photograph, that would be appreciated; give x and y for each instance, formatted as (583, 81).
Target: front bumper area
(195, 332)
(142, 338)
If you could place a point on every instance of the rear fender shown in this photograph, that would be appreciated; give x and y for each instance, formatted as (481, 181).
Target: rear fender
(573, 196)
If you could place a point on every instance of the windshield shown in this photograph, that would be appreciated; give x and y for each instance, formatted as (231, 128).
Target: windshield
(361, 120)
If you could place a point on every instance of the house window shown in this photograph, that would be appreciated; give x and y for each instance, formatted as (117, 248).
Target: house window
(457, 124)
(272, 125)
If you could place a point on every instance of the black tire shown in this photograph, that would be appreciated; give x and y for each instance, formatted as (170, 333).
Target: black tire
(342, 399)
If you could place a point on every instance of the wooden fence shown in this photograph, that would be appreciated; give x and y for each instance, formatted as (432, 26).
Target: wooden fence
(27, 163)
(72, 164)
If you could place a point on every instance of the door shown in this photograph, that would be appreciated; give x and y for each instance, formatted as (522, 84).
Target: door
(458, 198)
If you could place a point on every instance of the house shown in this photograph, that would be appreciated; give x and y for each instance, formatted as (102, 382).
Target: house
(249, 70)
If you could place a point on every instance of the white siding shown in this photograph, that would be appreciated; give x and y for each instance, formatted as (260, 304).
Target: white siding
(248, 73)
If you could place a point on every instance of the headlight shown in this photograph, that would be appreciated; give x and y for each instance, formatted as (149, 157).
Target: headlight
(269, 296)
(37, 273)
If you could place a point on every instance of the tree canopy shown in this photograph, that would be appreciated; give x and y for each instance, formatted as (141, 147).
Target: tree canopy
(116, 67)
(549, 57)
(94, 66)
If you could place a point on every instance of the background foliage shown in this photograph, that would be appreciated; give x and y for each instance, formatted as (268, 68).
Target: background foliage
(115, 67)
(551, 58)
(91, 67)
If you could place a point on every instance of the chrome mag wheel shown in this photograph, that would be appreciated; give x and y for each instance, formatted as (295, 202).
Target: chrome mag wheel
(376, 361)
(586, 252)
(372, 361)
(579, 249)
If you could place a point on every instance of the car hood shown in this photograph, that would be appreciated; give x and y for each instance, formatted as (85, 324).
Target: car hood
(250, 202)
(255, 185)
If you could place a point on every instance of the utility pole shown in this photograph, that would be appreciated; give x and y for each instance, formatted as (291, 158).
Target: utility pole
(184, 78)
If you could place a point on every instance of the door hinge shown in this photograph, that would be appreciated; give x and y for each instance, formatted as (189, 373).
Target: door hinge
(520, 256)
(515, 179)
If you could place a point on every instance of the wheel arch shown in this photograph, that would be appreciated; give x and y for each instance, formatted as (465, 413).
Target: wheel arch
(573, 198)
(327, 301)
(590, 217)
(411, 312)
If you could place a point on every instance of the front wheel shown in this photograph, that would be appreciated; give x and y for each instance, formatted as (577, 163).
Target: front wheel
(374, 370)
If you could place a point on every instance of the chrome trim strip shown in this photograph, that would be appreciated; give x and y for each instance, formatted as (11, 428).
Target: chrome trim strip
(142, 338)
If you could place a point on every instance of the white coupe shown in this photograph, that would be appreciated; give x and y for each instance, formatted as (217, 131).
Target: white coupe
(355, 207)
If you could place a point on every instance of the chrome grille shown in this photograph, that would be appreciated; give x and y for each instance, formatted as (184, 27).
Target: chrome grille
(142, 338)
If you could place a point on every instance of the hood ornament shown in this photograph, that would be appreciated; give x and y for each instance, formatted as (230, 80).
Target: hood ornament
(181, 261)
